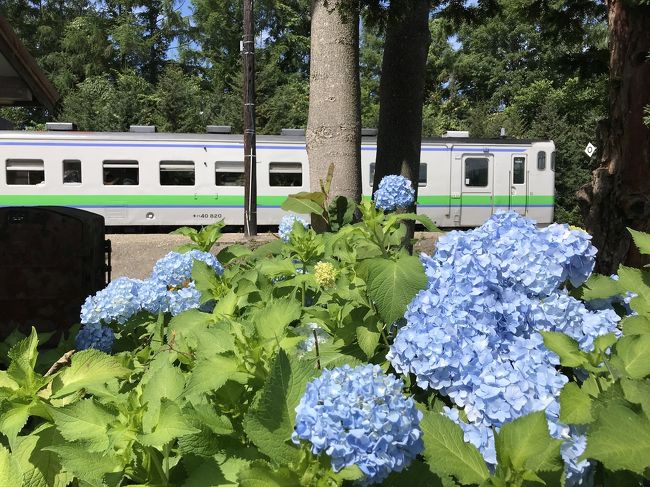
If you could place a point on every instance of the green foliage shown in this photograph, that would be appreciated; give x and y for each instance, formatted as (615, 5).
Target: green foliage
(203, 239)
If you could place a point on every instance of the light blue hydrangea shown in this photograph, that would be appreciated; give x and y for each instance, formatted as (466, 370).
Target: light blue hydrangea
(309, 343)
(286, 225)
(97, 336)
(473, 333)
(117, 302)
(359, 416)
(578, 472)
(394, 192)
(175, 269)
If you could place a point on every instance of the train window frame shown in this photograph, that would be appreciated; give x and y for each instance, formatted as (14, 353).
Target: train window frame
(281, 172)
(541, 160)
(72, 176)
(170, 168)
(515, 172)
(119, 172)
(31, 169)
(553, 161)
(422, 181)
(231, 171)
(469, 182)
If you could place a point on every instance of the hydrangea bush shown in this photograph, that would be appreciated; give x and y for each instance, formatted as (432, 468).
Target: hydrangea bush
(339, 359)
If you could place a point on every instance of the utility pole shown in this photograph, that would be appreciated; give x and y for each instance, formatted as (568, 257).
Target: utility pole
(250, 152)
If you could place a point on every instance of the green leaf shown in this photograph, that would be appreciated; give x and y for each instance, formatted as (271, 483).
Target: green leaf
(166, 381)
(23, 359)
(270, 422)
(525, 444)
(575, 405)
(368, 339)
(447, 453)
(171, 424)
(637, 392)
(272, 320)
(88, 368)
(641, 240)
(260, 474)
(13, 416)
(392, 284)
(636, 325)
(305, 203)
(637, 281)
(210, 374)
(41, 468)
(85, 420)
(620, 437)
(599, 287)
(204, 277)
(423, 219)
(10, 472)
(232, 252)
(565, 347)
(87, 466)
(634, 351)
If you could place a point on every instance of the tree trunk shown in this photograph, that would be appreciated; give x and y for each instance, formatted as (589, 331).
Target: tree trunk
(401, 93)
(619, 193)
(334, 124)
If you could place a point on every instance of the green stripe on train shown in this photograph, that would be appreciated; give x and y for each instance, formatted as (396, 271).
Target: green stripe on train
(238, 201)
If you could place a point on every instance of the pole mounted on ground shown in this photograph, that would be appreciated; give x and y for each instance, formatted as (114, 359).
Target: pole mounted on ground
(250, 152)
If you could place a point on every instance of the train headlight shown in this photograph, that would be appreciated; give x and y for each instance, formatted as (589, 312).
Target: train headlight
(150, 215)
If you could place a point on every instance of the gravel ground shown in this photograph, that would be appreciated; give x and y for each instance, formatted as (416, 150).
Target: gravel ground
(134, 255)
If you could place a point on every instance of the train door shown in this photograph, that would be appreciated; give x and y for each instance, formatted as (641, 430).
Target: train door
(518, 199)
(477, 202)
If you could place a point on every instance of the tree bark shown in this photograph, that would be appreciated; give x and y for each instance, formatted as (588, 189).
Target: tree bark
(619, 193)
(401, 94)
(334, 123)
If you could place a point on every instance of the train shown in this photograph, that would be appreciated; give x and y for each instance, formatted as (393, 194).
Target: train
(143, 178)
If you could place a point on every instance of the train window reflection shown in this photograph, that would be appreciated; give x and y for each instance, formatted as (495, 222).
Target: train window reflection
(422, 176)
(518, 170)
(476, 171)
(229, 173)
(285, 174)
(177, 173)
(541, 160)
(25, 171)
(71, 171)
(121, 173)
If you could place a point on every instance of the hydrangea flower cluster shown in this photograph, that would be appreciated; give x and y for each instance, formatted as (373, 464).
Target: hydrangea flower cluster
(394, 192)
(358, 416)
(325, 274)
(169, 289)
(95, 336)
(309, 343)
(473, 333)
(286, 225)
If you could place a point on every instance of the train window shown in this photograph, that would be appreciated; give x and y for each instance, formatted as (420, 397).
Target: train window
(422, 177)
(476, 171)
(229, 173)
(541, 160)
(177, 173)
(553, 161)
(25, 171)
(71, 171)
(285, 174)
(121, 173)
(518, 170)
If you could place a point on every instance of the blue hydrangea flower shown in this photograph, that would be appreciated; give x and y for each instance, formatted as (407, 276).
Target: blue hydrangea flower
(94, 335)
(358, 416)
(578, 472)
(117, 302)
(286, 225)
(394, 192)
(479, 435)
(175, 269)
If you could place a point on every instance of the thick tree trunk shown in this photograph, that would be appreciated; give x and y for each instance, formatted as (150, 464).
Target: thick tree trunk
(401, 93)
(334, 124)
(619, 194)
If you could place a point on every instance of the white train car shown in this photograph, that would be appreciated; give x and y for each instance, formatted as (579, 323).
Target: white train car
(160, 179)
